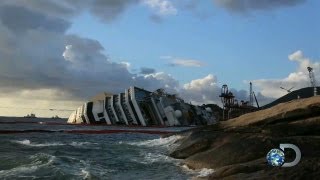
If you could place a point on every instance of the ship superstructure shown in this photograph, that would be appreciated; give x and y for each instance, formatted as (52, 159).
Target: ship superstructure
(137, 106)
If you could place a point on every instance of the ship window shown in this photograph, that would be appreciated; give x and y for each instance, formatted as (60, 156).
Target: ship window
(100, 114)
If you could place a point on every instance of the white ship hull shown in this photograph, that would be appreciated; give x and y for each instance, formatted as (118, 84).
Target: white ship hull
(143, 108)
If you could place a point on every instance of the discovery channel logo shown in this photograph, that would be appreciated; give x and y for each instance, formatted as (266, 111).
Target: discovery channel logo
(276, 157)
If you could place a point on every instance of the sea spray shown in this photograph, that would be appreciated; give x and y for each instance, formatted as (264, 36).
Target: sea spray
(168, 142)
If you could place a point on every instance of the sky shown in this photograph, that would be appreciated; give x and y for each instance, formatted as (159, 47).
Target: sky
(57, 54)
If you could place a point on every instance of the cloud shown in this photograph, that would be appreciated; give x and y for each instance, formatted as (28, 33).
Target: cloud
(158, 80)
(40, 62)
(297, 79)
(145, 70)
(106, 11)
(203, 90)
(161, 7)
(21, 19)
(174, 61)
(43, 64)
(253, 5)
(186, 63)
(206, 90)
(37, 58)
(109, 10)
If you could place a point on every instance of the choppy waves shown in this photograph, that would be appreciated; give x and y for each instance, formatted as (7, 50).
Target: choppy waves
(37, 161)
(116, 156)
(168, 142)
(27, 142)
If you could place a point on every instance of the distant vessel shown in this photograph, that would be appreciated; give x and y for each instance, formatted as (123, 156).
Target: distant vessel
(55, 117)
(30, 116)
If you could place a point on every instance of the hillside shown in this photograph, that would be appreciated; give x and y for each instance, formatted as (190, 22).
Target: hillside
(302, 93)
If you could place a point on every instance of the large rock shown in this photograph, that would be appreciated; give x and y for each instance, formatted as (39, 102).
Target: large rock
(236, 149)
(284, 112)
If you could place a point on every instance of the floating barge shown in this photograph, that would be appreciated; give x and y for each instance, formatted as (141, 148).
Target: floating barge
(139, 107)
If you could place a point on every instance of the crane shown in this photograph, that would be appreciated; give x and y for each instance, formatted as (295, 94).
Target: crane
(312, 80)
(254, 95)
(288, 90)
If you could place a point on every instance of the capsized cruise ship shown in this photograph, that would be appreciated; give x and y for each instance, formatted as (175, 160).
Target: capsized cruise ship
(140, 107)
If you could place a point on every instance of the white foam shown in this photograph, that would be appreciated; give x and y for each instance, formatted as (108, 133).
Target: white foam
(82, 143)
(85, 174)
(165, 142)
(150, 158)
(186, 168)
(28, 143)
(198, 173)
(205, 172)
(28, 168)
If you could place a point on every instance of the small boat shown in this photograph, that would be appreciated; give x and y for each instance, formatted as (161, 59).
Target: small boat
(30, 116)
(55, 117)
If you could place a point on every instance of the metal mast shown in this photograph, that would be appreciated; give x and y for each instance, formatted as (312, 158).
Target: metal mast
(312, 80)
(251, 95)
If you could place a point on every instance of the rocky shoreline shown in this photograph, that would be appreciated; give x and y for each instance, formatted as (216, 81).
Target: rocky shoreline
(237, 148)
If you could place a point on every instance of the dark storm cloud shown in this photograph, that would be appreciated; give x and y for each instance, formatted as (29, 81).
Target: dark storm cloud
(248, 5)
(56, 8)
(108, 10)
(105, 10)
(145, 70)
(21, 19)
(76, 67)
(36, 54)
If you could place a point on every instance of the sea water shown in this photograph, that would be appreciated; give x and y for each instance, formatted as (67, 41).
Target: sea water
(59, 155)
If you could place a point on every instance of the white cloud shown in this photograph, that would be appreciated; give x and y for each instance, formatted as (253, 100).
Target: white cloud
(162, 7)
(198, 84)
(126, 64)
(207, 90)
(203, 90)
(186, 63)
(296, 56)
(158, 80)
(297, 79)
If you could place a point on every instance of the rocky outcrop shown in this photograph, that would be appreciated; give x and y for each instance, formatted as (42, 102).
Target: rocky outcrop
(236, 149)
